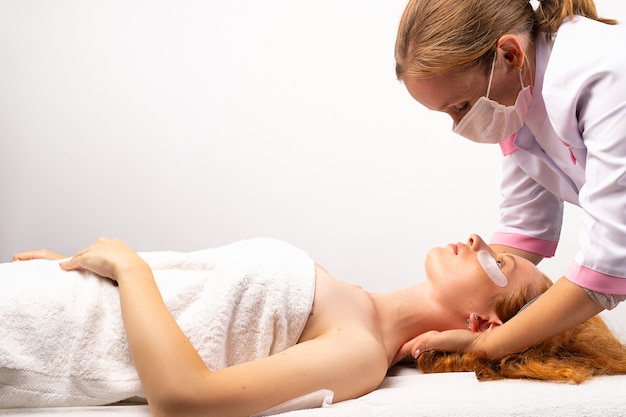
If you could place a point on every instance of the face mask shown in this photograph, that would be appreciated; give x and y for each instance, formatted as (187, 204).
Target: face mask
(489, 121)
(491, 268)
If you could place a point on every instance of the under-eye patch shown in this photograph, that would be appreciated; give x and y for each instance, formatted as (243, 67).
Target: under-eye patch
(491, 268)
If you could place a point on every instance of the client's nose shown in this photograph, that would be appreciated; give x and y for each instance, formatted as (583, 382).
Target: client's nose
(476, 242)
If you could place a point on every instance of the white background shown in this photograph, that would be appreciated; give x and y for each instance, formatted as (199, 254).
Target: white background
(180, 125)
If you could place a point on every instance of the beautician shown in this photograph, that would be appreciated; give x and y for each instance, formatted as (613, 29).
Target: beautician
(549, 86)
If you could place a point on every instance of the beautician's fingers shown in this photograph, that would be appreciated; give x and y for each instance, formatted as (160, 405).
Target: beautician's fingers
(449, 341)
(406, 351)
(37, 254)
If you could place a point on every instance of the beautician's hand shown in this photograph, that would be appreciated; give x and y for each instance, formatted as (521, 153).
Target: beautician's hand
(109, 258)
(449, 341)
(38, 254)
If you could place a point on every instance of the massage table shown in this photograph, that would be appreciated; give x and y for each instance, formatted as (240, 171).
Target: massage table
(408, 392)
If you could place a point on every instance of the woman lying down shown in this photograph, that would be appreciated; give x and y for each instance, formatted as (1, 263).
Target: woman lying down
(239, 329)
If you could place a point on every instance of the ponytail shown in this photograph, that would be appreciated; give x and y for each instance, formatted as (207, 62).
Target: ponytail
(552, 13)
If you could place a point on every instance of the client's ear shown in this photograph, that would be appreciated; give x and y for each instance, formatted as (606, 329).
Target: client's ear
(483, 324)
(493, 325)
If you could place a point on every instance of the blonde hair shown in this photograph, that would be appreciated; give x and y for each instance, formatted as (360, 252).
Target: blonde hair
(589, 349)
(436, 36)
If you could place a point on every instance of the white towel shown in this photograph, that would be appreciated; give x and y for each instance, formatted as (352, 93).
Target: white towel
(62, 341)
(407, 392)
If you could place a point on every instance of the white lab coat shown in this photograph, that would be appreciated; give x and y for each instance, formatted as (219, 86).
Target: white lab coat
(573, 148)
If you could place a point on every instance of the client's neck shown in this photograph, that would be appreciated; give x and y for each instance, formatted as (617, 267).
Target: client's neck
(406, 313)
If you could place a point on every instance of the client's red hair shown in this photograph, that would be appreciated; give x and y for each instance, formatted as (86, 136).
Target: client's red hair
(590, 349)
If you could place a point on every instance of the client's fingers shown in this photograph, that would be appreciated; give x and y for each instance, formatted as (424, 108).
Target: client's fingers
(37, 254)
(71, 264)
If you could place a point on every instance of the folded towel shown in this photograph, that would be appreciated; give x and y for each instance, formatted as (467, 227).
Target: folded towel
(62, 340)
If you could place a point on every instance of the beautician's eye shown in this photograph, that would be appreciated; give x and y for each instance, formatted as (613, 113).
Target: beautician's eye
(463, 107)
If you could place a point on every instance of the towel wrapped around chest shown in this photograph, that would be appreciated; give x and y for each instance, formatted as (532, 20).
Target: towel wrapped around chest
(62, 340)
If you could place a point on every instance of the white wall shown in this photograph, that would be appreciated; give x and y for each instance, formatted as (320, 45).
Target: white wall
(187, 124)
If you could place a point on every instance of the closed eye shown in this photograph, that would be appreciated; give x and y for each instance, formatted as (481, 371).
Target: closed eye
(503, 260)
(464, 107)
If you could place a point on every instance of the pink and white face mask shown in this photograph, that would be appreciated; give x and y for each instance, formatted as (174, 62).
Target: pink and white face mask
(492, 269)
(491, 122)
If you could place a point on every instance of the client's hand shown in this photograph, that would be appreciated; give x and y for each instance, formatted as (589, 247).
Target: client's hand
(109, 258)
(449, 341)
(38, 254)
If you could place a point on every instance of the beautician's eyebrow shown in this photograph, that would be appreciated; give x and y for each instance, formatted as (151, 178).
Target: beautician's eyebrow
(456, 98)
(450, 103)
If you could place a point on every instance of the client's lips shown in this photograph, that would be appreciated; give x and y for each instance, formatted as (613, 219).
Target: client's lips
(457, 247)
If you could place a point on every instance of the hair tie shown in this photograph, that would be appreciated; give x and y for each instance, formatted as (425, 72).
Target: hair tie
(527, 304)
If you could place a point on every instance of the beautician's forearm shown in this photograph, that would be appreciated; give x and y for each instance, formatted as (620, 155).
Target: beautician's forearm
(165, 359)
(561, 308)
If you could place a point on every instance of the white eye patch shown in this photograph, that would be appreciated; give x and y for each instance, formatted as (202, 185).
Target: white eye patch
(491, 268)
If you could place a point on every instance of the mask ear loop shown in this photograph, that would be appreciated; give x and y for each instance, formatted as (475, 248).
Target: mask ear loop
(521, 80)
(493, 66)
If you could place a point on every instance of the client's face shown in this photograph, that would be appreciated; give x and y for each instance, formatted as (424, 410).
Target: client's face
(466, 277)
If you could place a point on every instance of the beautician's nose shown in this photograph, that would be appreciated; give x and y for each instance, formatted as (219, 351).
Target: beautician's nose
(476, 243)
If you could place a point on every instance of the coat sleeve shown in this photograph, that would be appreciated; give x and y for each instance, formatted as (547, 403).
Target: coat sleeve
(587, 104)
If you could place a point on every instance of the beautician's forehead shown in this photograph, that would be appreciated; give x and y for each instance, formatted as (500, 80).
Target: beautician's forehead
(430, 92)
(440, 92)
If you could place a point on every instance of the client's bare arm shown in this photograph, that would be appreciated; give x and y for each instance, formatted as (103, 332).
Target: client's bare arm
(176, 380)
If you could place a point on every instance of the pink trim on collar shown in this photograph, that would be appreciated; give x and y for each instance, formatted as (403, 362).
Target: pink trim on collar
(507, 145)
